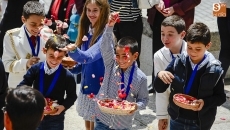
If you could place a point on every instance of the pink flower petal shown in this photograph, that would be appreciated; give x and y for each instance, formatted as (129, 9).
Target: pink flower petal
(85, 38)
(56, 53)
(65, 25)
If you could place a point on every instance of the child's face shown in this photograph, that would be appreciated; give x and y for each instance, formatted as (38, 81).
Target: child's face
(124, 59)
(33, 24)
(170, 37)
(196, 51)
(92, 12)
(53, 58)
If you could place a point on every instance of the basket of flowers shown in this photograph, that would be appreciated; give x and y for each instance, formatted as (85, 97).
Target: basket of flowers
(115, 107)
(185, 101)
(50, 106)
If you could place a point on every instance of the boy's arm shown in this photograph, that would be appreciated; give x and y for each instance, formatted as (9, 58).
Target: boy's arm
(29, 77)
(10, 61)
(88, 56)
(143, 95)
(159, 85)
(219, 96)
(182, 7)
(107, 46)
(71, 95)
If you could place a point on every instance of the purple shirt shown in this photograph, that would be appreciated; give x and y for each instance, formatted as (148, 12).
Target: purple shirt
(167, 3)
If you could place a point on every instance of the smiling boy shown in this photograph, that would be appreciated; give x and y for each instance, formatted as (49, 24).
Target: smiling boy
(22, 46)
(196, 73)
(53, 81)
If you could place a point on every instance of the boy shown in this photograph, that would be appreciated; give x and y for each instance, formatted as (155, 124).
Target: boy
(53, 81)
(133, 84)
(24, 109)
(22, 46)
(196, 73)
(3, 90)
(172, 34)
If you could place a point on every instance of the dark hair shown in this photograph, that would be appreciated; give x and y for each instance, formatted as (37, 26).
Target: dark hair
(129, 42)
(198, 32)
(174, 21)
(25, 107)
(56, 41)
(33, 8)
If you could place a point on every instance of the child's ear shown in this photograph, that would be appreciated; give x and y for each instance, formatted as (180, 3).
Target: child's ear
(182, 34)
(136, 54)
(208, 46)
(44, 50)
(23, 19)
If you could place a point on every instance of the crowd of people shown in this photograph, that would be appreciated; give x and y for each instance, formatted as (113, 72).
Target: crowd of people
(106, 52)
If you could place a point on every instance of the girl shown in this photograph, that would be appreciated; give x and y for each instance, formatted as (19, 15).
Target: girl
(86, 52)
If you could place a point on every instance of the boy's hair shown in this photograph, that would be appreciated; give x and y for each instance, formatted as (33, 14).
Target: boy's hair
(25, 107)
(174, 21)
(198, 33)
(33, 8)
(56, 41)
(99, 25)
(129, 42)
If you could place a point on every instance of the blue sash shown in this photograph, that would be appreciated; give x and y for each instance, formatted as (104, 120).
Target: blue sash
(41, 84)
(191, 79)
(130, 80)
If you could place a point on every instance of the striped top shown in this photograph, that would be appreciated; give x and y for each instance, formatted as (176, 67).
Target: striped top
(138, 92)
(126, 9)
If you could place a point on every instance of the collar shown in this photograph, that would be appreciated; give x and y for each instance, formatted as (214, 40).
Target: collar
(49, 71)
(91, 30)
(205, 61)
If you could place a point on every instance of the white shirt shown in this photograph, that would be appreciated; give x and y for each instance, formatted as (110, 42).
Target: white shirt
(49, 71)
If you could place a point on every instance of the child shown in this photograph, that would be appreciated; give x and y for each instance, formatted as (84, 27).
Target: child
(133, 84)
(53, 81)
(24, 108)
(22, 46)
(3, 89)
(196, 73)
(172, 34)
(90, 62)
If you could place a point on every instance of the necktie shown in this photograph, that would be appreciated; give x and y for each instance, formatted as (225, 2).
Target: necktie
(33, 39)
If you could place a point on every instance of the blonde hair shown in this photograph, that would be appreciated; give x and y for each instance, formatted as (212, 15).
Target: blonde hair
(99, 25)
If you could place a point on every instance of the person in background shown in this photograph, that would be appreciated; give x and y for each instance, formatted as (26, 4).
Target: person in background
(3, 90)
(224, 31)
(24, 109)
(22, 46)
(60, 10)
(183, 8)
(130, 21)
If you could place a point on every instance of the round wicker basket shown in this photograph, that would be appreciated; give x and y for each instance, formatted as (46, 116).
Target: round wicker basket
(46, 112)
(114, 111)
(191, 105)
